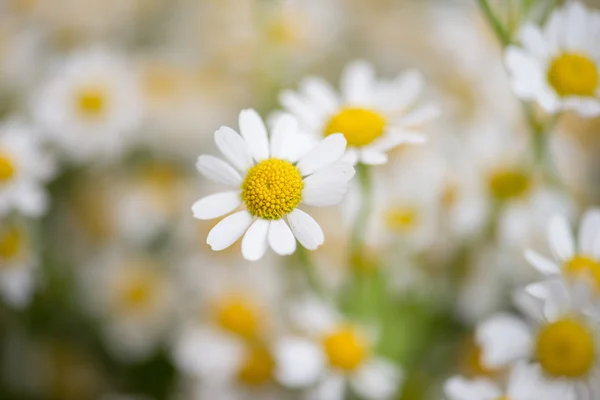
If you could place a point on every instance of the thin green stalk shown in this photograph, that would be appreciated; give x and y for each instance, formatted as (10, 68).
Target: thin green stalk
(362, 219)
(494, 22)
(309, 270)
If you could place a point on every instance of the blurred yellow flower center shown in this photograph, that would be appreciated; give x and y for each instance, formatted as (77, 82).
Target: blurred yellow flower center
(582, 265)
(11, 243)
(345, 348)
(7, 168)
(138, 291)
(508, 184)
(91, 102)
(573, 74)
(257, 366)
(239, 316)
(360, 126)
(272, 189)
(566, 348)
(401, 219)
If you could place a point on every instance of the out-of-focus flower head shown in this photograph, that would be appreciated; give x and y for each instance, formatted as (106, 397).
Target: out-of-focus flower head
(18, 263)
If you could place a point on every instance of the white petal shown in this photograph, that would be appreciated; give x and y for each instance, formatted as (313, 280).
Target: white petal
(377, 379)
(332, 387)
(320, 92)
(255, 244)
(300, 362)
(407, 87)
(254, 132)
(328, 186)
(419, 116)
(350, 156)
(226, 232)
(234, 148)
(285, 127)
(575, 27)
(534, 41)
(298, 106)
(306, 229)
(396, 138)
(587, 107)
(218, 170)
(32, 199)
(561, 238)
(589, 232)
(526, 73)
(325, 153)
(358, 83)
(541, 263)
(281, 238)
(372, 157)
(216, 205)
(503, 339)
(459, 388)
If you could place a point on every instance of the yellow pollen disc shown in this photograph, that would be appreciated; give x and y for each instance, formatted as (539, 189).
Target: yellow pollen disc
(508, 184)
(272, 189)
(11, 243)
(566, 348)
(582, 265)
(574, 74)
(239, 316)
(345, 348)
(401, 219)
(138, 291)
(257, 366)
(91, 102)
(359, 126)
(7, 168)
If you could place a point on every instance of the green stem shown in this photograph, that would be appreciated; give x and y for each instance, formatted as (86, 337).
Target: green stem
(309, 270)
(360, 224)
(496, 25)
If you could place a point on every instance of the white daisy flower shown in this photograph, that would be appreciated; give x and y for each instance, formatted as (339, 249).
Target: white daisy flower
(91, 106)
(334, 353)
(17, 264)
(558, 65)
(273, 183)
(23, 169)
(562, 342)
(574, 258)
(523, 383)
(373, 115)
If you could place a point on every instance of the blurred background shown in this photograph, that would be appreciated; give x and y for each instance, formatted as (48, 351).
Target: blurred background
(116, 264)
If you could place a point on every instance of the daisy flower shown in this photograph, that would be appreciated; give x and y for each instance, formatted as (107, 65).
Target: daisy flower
(91, 106)
(17, 264)
(574, 258)
(561, 341)
(270, 181)
(558, 66)
(523, 383)
(334, 353)
(374, 116)
(23, 169)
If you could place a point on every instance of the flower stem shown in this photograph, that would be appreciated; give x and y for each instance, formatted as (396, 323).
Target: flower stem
(309, 271)
(360, 224)
(494, 22)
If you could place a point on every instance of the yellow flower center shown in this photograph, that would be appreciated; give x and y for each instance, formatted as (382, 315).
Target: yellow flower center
(138, 290)
(257, 366)
(573, 74)
(239, 316)
(345, 348)
(401, 219)
(582, 265)
(91, 102)
(359, 126)
(565, 348)
(508, 184)
(272, 189)
(7, 168)
(12, 242)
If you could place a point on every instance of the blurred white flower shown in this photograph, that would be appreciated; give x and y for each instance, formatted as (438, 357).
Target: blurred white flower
(373, 115)
(558, 66)
(275, 181)
(91, 107)
(334, 352)
(574, 258)
(563, 342)
(133, 297)
(17, 264)
(24, 167)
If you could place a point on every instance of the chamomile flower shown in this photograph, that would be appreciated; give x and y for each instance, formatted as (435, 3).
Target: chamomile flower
(374, 116)
(17, 264)
(273, 182)
(562, 341)
(24, 168)
(334, 352)
(523, 383)
(558, 66)
(574, 258)
(91, 107)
